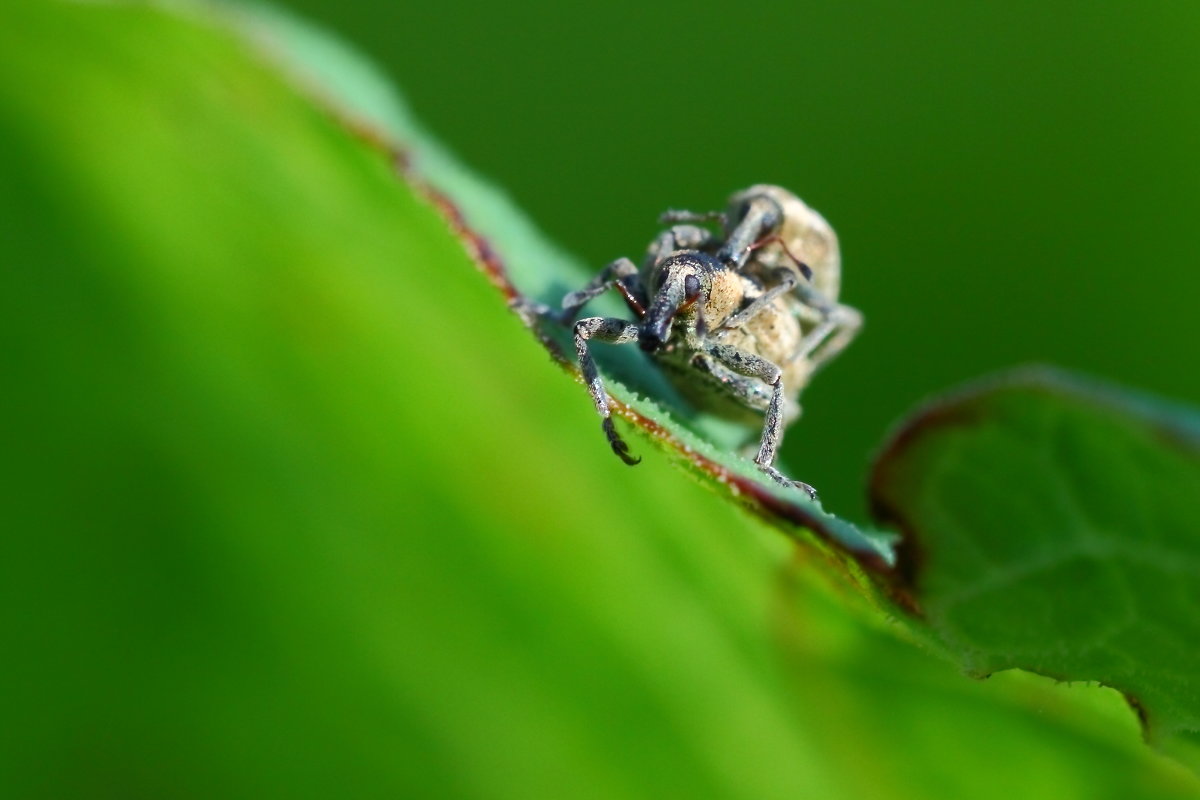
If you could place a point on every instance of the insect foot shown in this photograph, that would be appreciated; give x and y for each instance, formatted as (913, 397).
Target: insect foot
(619, 446)
(784, 480)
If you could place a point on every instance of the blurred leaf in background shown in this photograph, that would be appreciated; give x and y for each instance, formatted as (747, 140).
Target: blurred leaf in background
(296, 507)
(1050, 525)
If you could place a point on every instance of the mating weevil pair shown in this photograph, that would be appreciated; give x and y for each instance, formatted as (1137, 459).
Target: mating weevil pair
(737, 321)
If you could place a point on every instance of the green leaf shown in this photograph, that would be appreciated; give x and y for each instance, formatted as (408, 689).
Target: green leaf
(1051, 525)
(294, 505)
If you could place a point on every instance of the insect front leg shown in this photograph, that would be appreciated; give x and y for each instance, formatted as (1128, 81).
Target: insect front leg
(753, 366)
(622, 274)
(613, 331)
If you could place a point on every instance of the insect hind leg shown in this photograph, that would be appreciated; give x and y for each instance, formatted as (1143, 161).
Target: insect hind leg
(754, 366)
(747, 391)
(838, 327)
(673, 215)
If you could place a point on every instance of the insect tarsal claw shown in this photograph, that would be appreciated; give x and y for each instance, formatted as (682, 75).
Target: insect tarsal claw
(619, 446)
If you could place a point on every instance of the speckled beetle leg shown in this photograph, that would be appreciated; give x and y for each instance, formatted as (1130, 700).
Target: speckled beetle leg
(620, 270)
(763, 215)
(613, 331)
(754, 366)
(814, 299)
(838, 327)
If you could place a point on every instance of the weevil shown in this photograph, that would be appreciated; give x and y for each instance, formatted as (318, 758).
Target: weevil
(738, 320)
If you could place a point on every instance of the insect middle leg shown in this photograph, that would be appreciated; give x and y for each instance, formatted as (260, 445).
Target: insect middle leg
(613, 331)
(754, 366)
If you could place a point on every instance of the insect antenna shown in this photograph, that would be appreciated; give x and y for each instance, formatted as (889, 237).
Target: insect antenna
(631, 300)
(774, 238)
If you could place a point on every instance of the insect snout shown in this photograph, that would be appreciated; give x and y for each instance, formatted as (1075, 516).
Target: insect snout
(678, 293)
(652, 337)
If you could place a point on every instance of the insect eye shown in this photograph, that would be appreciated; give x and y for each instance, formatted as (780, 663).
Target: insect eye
(691, 286)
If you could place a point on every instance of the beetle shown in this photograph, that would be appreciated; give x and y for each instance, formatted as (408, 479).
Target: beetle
(738, 320)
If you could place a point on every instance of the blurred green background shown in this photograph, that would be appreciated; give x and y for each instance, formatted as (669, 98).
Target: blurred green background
(1012, 182)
